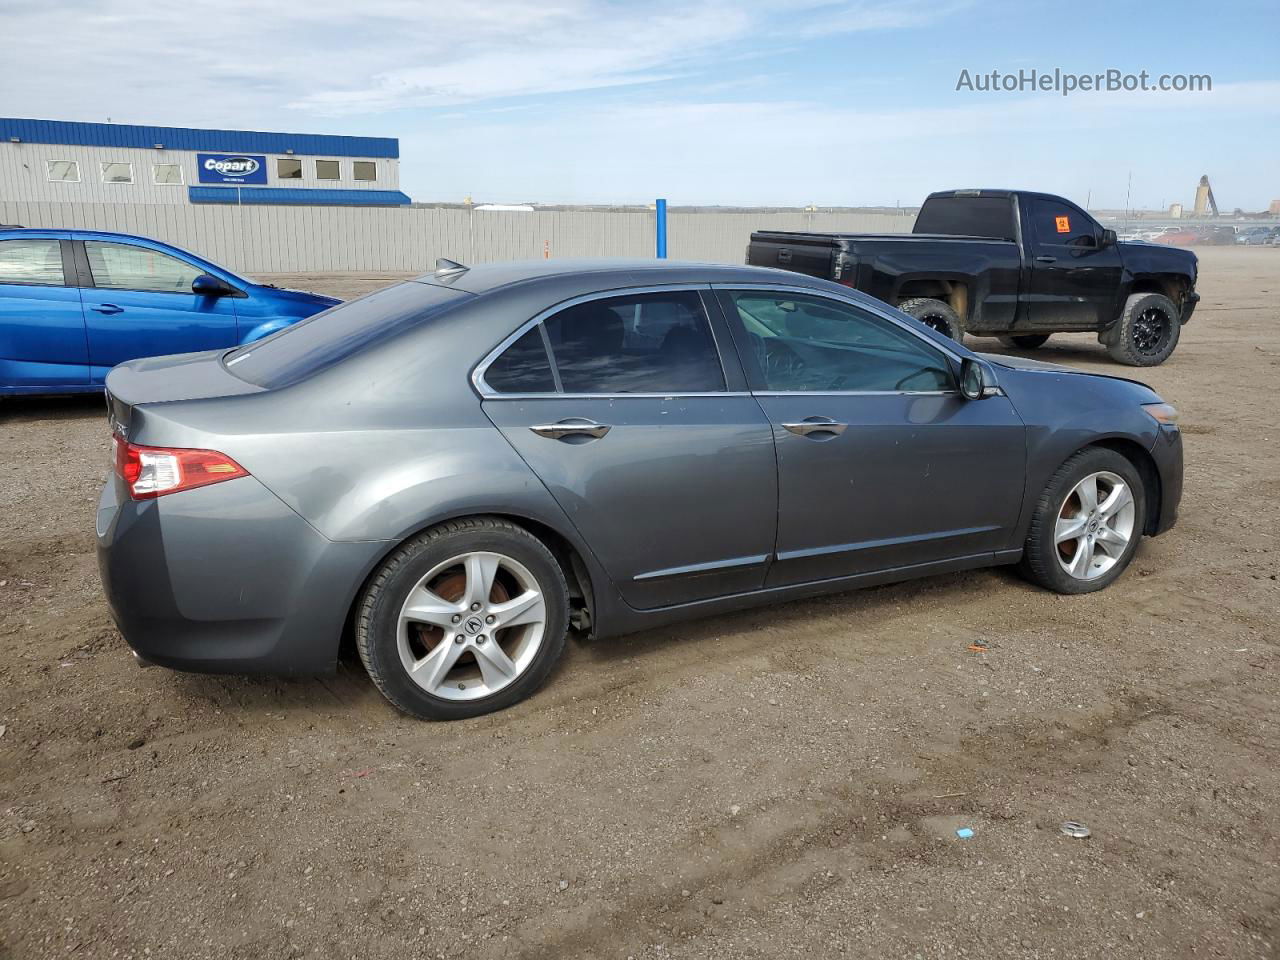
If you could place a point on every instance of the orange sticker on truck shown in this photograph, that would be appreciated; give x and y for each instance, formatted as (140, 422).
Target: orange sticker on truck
(1064, 224)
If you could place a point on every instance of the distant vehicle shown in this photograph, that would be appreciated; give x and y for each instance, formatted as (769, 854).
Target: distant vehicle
(1178, 237)
(1260, 236)
(1009, 264)
(457, 468)
(74, 303)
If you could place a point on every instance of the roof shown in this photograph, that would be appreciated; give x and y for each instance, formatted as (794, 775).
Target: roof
(605, 272)
(192, 138)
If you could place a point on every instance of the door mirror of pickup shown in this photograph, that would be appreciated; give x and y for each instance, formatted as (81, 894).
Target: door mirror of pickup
(973, 379)
(1108, 239)
(207, 285)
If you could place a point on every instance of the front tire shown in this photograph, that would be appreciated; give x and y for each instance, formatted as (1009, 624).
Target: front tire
(1087, 523)
(935, 314)
(1024, 341)
(467, 618)
(1147, 331)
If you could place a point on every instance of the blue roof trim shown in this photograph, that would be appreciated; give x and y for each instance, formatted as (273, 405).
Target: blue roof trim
(297, 195)
(190, 138)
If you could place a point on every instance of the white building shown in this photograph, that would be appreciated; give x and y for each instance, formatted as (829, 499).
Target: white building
(52, 160)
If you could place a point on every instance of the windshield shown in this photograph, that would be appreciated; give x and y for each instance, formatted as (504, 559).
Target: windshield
(327, 338)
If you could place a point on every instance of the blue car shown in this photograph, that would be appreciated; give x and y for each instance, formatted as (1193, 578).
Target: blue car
(74, 303)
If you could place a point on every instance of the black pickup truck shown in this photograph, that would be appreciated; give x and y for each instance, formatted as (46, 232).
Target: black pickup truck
(1009, 264)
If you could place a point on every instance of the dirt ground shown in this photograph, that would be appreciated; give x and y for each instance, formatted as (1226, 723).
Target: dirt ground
(780, 783)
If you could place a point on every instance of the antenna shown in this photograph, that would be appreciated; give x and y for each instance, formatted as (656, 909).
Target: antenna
(448, 268)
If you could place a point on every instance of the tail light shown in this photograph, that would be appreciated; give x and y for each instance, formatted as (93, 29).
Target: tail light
(151, 472)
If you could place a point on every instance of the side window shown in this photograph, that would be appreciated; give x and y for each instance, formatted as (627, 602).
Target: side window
(642, 343)
(1057, 223)
(31, 261)
(523, 367)
(808, 343)
(123, 267)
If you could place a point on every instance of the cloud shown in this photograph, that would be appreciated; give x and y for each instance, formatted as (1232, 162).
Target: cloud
(144, 63)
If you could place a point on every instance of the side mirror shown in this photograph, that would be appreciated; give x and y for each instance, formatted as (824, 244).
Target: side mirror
(207, 285)
(1108, 239)
(973, 379)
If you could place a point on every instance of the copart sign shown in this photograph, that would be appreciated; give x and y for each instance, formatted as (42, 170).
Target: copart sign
(231, 168)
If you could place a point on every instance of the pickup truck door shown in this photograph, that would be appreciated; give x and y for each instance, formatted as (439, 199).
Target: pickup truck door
(1075, 280)
(881, 463)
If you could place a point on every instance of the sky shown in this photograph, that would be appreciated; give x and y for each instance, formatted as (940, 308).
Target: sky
(829, 102)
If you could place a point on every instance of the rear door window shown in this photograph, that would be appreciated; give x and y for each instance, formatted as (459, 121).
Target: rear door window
(327, 338)
(31, 262)
(523, 367)
(638, 343)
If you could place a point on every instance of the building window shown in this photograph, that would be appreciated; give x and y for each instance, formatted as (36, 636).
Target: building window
(62, 171)
(365, 170)
(288, 169)
(328, 170)
(167, 173)
(117, 172)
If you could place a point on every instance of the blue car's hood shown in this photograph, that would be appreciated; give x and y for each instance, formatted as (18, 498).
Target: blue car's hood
(297, 296)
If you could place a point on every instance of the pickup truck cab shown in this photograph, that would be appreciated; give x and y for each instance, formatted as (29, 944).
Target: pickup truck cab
(1010, 264)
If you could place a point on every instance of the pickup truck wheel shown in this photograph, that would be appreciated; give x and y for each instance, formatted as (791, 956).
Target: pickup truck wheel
(1025, 341)
(935, 314)
(1147, 331)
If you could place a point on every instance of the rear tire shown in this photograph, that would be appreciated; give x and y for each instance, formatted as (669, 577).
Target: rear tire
(1024, 341)
(1075, 546)
(466, 618)
(936, 315)
(1147, 331)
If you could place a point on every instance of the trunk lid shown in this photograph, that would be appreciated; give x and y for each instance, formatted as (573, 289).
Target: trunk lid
(153, 380)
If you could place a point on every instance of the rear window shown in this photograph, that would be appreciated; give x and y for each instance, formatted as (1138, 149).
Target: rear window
(327, 338)
(967, 217)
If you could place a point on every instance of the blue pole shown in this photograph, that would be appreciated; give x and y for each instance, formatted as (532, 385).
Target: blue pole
(661, 212)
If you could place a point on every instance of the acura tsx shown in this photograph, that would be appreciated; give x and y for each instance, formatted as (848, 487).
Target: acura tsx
(458, 469)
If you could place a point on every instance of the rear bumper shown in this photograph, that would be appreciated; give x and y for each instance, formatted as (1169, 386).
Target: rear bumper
(1189, 305)
(226, 579)
(1167, 454)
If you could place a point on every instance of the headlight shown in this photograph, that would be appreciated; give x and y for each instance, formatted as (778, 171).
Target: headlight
(1165, 413)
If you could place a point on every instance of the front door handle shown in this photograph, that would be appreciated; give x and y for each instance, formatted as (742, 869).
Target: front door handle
(573, 427)
(1046, 259)
(108, 308)
(815, 425)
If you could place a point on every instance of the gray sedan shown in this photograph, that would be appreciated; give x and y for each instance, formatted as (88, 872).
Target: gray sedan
(458, 469)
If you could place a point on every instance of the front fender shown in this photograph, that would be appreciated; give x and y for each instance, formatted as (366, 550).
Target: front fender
(268, 327)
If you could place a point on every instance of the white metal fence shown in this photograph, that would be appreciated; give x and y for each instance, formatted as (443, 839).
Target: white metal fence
(255, 239)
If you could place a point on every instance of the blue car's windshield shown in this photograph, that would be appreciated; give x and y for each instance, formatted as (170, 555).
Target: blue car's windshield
(322, 340)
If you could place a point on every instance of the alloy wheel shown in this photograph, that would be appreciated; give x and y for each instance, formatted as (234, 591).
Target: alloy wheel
(1095, 524)
(471, 626)
(1150, 330)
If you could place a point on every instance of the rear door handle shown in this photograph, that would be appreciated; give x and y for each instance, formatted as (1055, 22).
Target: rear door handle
(815, 425)
(576, 426)
(1046, 259)
(108, 308)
